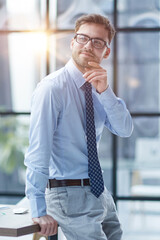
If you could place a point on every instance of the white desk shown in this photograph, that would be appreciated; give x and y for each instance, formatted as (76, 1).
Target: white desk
(15, 225)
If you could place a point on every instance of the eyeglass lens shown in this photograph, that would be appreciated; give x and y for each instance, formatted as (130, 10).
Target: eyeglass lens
(82, 39)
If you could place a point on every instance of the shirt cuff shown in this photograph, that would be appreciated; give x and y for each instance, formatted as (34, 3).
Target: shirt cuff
(38, 207)
(108, 98)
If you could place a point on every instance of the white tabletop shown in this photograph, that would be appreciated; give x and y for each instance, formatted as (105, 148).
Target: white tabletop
(15, 224)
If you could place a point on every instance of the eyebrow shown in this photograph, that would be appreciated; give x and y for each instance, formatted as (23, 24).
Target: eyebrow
(92, 37)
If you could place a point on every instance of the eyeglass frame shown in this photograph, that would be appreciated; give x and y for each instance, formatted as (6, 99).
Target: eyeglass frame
(90, 39)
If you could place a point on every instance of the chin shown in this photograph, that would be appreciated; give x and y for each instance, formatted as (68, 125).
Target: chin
(84, 62)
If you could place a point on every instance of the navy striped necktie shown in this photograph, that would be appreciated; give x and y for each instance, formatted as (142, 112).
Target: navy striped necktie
(94, 168)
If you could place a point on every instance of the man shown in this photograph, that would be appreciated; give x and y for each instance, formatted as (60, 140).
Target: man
(58, 147)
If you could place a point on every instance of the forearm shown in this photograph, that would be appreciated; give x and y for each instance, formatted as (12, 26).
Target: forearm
(118, 118)
(36, 183)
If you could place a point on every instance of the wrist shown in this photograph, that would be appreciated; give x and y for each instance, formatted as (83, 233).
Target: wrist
(103, 90)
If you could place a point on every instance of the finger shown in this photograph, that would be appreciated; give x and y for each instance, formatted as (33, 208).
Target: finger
(87, 70)
(45, 226)
(48, 229)
(96, 78)
(43, 229)
(90, 72)
(55, 230)
(37, 220)
(91, 75)
(51, 228)
(48, 226)
(94, 64)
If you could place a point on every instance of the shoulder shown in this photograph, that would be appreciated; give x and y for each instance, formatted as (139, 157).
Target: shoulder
(52, 84)
(49, 89)
(56, 79)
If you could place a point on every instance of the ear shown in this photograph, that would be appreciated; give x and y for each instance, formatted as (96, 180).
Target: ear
(71, 44)
(107, 52)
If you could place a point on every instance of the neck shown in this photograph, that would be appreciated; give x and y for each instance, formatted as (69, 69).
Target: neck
(80, 68)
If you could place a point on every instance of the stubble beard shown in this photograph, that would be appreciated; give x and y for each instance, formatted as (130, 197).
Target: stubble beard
(81, 62)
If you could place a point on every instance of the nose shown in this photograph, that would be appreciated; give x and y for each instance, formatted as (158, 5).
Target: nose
(88, 45)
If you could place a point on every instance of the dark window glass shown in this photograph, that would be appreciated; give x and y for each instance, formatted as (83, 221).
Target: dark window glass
(68, 11)
(138, 70)
(143, 13)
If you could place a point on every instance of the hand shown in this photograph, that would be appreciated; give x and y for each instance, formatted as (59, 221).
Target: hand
(47, 224)
(97, 76)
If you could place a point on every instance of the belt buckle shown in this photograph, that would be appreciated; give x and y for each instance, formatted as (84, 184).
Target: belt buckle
(82, 183)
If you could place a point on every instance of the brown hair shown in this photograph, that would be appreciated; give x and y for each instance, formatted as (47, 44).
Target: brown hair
(98, 19)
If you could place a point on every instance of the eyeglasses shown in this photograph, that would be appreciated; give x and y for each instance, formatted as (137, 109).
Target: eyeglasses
(96, 42)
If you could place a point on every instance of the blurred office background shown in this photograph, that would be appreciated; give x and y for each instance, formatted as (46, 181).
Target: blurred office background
(34, 41)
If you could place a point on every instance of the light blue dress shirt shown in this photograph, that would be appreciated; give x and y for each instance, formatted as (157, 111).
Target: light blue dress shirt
(57, 141)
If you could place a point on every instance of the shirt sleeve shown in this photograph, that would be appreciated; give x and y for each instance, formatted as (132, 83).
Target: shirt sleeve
(44, 114)
(118, 119)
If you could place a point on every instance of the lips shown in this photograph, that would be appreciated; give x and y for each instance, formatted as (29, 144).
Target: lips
(86, 53)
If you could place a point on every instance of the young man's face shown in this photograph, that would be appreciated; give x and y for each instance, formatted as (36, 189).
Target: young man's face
(84, 53)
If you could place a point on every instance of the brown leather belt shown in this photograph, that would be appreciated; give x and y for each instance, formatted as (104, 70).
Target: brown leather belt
(52, 183)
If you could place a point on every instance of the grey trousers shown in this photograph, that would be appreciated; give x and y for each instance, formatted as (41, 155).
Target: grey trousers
(83, 216)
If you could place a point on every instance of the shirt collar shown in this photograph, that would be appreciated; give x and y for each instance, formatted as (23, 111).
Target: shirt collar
(75, 73)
